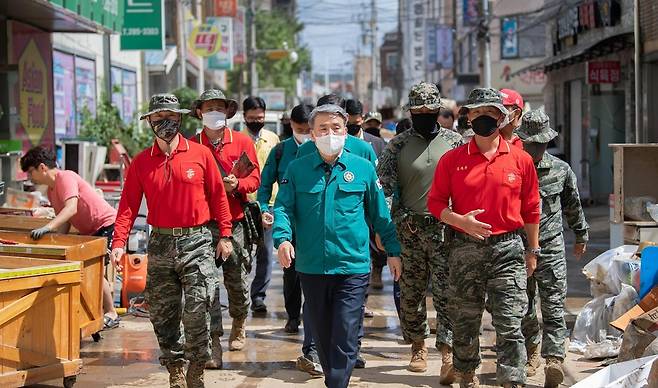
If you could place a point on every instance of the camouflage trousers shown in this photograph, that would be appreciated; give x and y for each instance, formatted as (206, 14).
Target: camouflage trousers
(424, 262)
(236, 270)
(496, 269)
(179, 288)
(550, 278)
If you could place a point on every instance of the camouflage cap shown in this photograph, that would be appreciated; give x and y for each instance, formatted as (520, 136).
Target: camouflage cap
(161, 102)
(480, 97)
(214, 94)
(372, 116)
(536, 128)
(425, 95)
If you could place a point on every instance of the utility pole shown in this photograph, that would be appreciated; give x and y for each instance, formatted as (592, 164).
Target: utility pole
(373, 48)
(201, 82)
(251, 52)
(182, 44)
(486, 58)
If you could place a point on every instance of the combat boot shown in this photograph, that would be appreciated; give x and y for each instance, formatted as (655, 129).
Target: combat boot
(468, 380)
(195, 375)
(447, 376)
(177, 375)
(533, 361)
(215, 361)
(238, 336)
(376, 278)
(554, 373)
(418, 357)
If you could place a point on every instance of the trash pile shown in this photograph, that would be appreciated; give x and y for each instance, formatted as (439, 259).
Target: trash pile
(621, 320)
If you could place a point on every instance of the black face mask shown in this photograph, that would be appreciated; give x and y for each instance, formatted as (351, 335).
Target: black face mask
(165, 129)
(375, 131)
(536, 150)
(425, 124)
(255, 126)
(484, 125)
(353, 129)
(287, 130)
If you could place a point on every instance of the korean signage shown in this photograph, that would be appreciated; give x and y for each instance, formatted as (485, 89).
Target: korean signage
(204, 40)
(31, 51)
(603, 72)
(143, 25)
(471, 12)
(275, 99)
(509, 39)
(414, 35)
(223, 59)
(431, 45)
(226, 8)
(108, 13)
(588, 15)
(239, 37)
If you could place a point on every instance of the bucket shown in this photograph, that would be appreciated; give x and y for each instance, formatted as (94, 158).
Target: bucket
(134, 277)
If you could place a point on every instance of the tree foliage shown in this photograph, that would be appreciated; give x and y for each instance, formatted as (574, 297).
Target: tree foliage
(186, 96)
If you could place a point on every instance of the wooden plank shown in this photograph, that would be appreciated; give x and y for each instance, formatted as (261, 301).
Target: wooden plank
(12, 222)
(23, 304)
(74, 322)
(38, 281)
(26, 356)
(35, 375)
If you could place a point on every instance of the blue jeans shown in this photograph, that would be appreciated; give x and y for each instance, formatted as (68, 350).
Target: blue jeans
(335, 304)
(263, 268)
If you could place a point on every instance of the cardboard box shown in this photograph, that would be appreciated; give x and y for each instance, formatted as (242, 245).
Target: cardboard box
(647, 304)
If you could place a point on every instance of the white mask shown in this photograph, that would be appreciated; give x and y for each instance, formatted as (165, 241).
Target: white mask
(331, 144)
(214, 120)
(506, 121)
(301, 139)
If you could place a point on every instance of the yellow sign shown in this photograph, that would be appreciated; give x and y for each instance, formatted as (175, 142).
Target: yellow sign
(33, 90)
(205, 40)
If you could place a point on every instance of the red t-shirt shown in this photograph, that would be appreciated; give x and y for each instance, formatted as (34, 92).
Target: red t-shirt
(228, 151)
(516, 142)
(93, 213)
(506, 186)
(183, 189)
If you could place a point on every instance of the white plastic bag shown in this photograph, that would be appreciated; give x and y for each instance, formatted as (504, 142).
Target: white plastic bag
(614, 267)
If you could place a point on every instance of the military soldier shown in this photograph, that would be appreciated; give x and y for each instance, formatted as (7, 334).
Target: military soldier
(213, 109)
(328, 197)
(487, 191)
(406, 170)
(183, 191)
(559, 194)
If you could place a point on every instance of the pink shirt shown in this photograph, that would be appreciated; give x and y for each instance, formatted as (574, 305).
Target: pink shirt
(93, 213)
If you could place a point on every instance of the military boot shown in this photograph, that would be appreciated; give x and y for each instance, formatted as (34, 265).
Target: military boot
(215, 361)
(238, 336)
(447, 376)
(533, 361)
(468, 380)
(418, 357)
(554, 373)
(177, 375)
(195, 375)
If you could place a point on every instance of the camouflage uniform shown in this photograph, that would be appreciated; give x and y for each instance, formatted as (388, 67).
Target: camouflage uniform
(421, 235)
(559, 193)
(181, 283)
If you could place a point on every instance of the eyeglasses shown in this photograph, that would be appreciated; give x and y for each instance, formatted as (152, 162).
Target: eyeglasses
(335, 130)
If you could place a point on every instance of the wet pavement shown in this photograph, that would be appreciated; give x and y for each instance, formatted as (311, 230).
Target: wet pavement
(128, 356)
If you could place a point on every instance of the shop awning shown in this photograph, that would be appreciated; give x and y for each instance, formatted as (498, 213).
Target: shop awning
(582, 53)
(63, 16)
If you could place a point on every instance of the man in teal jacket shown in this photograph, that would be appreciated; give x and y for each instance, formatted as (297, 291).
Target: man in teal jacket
(328, 197)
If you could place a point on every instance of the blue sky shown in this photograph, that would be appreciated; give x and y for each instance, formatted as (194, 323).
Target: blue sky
(333, 32)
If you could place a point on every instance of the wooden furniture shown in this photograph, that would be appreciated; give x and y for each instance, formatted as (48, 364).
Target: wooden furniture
(24, 222)
(90, 251)
(635, 170)
(39, 321)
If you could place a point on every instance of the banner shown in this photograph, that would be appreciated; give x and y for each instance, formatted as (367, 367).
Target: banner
(275, 98)
(239, 38)
(204, 40)
(471, 12)
(223, 60)
(63, 94)
(143, 25)
(444, 50)
(509, 38)
(226, 7)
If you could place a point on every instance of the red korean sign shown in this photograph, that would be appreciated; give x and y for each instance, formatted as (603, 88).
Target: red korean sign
(226, 8)
(604, 72)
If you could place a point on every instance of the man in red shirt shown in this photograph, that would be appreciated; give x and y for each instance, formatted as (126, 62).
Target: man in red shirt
(213, 108)
(487, 191)
(183, 191)
(513, 102)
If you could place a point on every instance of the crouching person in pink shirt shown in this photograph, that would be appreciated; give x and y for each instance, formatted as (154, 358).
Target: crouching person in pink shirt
(76, 204)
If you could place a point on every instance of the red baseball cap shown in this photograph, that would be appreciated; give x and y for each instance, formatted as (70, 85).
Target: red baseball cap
(511, 97)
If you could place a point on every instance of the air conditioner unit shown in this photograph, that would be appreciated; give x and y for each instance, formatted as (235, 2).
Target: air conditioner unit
(84, 157)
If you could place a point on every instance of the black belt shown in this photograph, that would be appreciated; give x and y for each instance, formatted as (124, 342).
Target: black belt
(487, 240)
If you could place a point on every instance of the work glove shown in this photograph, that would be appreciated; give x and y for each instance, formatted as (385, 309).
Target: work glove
(36, 234)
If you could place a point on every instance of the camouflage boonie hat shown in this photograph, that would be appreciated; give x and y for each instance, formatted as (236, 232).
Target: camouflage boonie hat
(425, 95)
(373, 116)
(536, 128)
(480, 97)
(160, 102)
(214, 94)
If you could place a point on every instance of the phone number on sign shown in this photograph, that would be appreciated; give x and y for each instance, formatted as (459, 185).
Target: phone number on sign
(141, 31)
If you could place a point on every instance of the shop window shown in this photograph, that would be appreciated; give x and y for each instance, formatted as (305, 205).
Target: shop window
(124, 92)
(85, 86)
